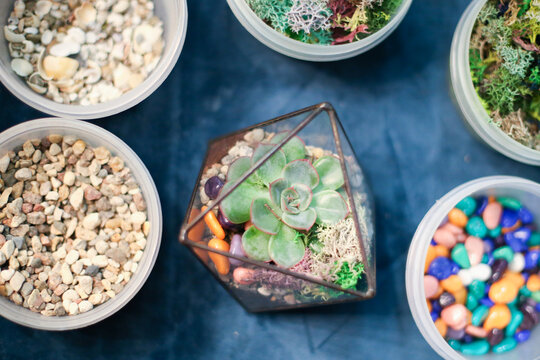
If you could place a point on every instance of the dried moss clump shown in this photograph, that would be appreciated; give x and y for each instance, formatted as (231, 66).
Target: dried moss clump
(325, 22)
(504, 62)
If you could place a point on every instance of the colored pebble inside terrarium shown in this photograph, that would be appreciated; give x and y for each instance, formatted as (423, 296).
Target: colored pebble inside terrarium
(325, 22)
(505, 66)
(481, 281)
(293, 212)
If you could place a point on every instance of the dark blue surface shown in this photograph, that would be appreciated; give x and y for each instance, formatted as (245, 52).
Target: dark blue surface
(394, 103)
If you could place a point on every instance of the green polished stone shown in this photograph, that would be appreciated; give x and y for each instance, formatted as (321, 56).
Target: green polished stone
(461, 256)
(504, 252)
(467, 205)
(534, 240)
(509, 203)
(477, 289)
(506, 345)
(472, 302)
(479, 315)
(479, 347)
(476, 227)
(495, 232)
(515, 322)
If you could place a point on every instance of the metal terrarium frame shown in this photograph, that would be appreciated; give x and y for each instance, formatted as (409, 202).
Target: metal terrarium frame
(189, 223)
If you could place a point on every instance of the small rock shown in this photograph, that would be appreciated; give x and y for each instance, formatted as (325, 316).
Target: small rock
(16, 281)
(76, 198)
(117, 255)
(91, 194)
(95, 299)
(23, 174)
(8, 248)
(26, 289)
(73, 309)
(86, 283)
(85, 306)
(4, 163)
(91, 221)
(3, 258)
(92, 270)
(67, 276)
(100, 261)
(78, 147)
(71, 257)
(55, 149)
(7, 274)
(69, 178)
(18, 241)
(36, 218)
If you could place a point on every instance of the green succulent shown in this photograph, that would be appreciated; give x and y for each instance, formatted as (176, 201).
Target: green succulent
(287, 194)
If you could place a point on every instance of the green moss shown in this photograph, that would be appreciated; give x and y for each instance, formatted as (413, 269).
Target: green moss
(347, 278)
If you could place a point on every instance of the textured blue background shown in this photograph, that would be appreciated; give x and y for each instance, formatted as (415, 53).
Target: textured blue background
(394, 103)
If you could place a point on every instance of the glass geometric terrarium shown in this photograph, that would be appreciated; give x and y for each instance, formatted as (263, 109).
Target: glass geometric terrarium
(282, 216)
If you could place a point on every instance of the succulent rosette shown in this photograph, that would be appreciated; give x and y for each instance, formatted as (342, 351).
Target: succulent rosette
(284, 198)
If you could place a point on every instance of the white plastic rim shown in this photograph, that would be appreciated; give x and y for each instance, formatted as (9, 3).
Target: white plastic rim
(476, 117)
(95, 136)
(528, 192)
(174, 15)
(311, 52)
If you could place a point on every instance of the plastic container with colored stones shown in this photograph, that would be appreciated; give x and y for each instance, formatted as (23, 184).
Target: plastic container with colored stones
(173, 14)
(311, 52)
(476, 118)
(94, 136)
(528, 193)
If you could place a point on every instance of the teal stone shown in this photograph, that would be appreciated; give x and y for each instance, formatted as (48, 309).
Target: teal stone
(477, 289)
(485, 259)
(504, 252)
(495, 232)
(525, 291)
(534, 240)
(479, 315)
(472, 302)
(476, 227)
(479, 347)
(515, 322)
(536, 296)
(506, 345)
(461, 256)
(513, 303)
(467, 205)
(455, 344)
(509, 203)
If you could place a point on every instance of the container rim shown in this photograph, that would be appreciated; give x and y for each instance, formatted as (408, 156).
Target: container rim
(467, 99)
(311, 52)
(133, 97)
(418, 250)
(25, 317)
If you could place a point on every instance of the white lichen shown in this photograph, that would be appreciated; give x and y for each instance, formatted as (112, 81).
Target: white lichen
(309, 15)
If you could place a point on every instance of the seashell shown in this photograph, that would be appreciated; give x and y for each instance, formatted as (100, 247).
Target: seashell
(22, 67)
(121, 76)
(92, 74)
(31, 21)
(77, 35)
(121, 6)
(46, 37)
(41, 71)
(13, 21)
(12, 36)
(18, 8)
(68, 85)
(42, 8)
(59, 68)
(28, 47)
(144, 38)
(35, 38)
(65, 49)
(85, 14)
(115, 20)
(31, 30)
(36, 83)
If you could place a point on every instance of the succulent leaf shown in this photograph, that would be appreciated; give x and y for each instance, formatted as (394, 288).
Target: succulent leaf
(271, 169)
(255, 244)
(301, 221)
(263, 217)
(301, 172)
(276, 188)
(294, 149)
(330, 207)
(236, 206)
(330, 174)
(238, 168)
(286, 248)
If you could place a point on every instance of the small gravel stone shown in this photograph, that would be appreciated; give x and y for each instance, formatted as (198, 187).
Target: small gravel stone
(85, 306)
(7, 274)
(23, 174)
(67, 276)
(16, 281)
(71, 257)
(100, 261)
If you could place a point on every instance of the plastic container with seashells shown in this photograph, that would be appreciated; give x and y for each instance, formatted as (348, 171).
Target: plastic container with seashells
(89, 58)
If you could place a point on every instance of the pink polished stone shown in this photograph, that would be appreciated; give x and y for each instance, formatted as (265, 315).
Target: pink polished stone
(431, 286)
(456, 230)
(492, 215)
(445, 238)
(455, 316)
(475, 249)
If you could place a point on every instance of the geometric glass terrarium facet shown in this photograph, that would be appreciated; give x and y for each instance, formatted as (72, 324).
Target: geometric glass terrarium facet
(282, 216)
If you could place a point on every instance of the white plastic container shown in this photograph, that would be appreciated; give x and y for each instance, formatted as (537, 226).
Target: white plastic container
(476, 117)
(95, 136)
(311, 52)
(528, 192)
(173, 13)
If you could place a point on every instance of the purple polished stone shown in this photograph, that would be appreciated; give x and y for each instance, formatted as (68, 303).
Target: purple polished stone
(497, 270)
(495, 336)
(482, 203)
(489, 246)
(236, 249)
(525, 215)
(509, 218)
(435, 306)
(467, 339)
(446, 299)
(227, 224)
(213, 186)
(499, 241)
(455, 334)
